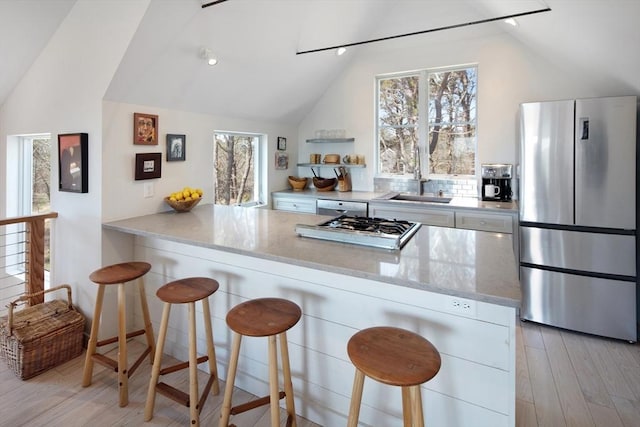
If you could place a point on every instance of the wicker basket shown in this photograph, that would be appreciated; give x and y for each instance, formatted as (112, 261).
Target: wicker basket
(42, 336)
(181, 205)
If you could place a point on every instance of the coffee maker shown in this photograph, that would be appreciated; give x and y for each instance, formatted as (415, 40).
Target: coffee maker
(496, 182)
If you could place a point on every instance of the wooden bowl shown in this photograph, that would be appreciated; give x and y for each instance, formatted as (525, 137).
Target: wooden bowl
(325, 184)
(181, 205)
(332, 158)
(297, 183)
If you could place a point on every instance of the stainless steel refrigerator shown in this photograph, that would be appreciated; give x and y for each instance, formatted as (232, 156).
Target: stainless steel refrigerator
(578, 215)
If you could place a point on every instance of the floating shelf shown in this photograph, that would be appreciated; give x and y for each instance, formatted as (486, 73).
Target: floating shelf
(330, 165)
(324, 140)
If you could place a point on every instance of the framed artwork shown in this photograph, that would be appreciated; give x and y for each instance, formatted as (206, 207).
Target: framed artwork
(148, 165)
(282, 143)
(282, 160)
(145, 129)
(176, 145)
(73, 166)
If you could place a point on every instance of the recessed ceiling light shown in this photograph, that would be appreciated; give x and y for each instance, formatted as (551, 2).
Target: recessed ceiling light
(341, 51)
(207, 55)
(511, 22)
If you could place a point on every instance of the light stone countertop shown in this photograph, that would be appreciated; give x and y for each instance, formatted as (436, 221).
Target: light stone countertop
(465, 263)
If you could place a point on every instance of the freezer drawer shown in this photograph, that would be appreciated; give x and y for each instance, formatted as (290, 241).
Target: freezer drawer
(576, 250)
(585, 304)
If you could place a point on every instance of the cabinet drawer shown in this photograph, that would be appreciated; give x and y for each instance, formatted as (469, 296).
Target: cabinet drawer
(295, 205)
(485, 222)
(440, 217)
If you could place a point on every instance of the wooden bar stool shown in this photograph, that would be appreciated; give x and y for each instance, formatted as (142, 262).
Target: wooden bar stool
(396, 357)
(264, 317)
(185, 291)
(118, 274)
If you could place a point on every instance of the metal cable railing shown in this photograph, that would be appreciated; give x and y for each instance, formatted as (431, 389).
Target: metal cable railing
(24, 252)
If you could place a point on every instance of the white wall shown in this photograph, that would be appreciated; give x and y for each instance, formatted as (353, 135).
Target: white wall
(123, 197)
(508, 74)
(61, 93)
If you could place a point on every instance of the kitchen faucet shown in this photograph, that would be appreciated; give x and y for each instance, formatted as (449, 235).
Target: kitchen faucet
(417, 174)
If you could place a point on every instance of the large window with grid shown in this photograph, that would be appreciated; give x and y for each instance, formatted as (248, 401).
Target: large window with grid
(427, 120)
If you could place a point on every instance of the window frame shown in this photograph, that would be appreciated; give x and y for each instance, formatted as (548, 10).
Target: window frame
(258, 166)
(423, 123)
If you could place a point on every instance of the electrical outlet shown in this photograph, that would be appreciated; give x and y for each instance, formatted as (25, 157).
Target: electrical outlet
(462, 306)
(148, 189)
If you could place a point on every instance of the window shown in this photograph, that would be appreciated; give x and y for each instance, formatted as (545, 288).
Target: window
(28, 172)
(237, 171)
(432, 110)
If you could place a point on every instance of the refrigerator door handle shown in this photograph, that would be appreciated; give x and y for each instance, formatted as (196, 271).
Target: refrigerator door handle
(584, 128)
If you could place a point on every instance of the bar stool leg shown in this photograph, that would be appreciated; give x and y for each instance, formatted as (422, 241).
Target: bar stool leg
(406, 407)
(416, 403)
(274, 389)
(356, 398)
(231, 377)
(211, 350)
(155, 371)
(123, 373)
(148, 328)
(93, 339)
(194, 411)
(288, 385)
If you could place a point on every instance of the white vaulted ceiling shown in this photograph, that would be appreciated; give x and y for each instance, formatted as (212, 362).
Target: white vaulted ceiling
(259, 75)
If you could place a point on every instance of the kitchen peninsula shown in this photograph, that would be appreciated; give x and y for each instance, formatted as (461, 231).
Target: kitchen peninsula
(459, 288)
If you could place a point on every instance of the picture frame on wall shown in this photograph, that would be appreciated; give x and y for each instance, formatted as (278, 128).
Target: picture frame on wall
(282, 161)
(73, 162)
(148, 166)
(282, 143)
(176, 147)
(145, 129)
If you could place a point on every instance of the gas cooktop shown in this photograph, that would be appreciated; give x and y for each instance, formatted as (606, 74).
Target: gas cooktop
(360, 230)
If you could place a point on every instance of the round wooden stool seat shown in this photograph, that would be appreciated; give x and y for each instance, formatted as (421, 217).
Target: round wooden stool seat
(263, 317)
(120, 273)
(191, 289)
(394, 356)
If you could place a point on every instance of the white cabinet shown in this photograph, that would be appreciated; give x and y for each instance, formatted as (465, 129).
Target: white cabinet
(483, 221)
(295, 204)
(447, 217)
(440, 217)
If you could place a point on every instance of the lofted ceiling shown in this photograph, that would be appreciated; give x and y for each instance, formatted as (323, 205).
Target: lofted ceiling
(260, 77)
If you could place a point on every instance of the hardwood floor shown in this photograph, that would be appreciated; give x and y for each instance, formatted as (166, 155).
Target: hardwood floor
(570, 379)
(563, 379)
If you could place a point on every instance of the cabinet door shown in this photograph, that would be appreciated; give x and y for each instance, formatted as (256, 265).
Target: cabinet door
(440, 217)
(294, 204)
(499, 223)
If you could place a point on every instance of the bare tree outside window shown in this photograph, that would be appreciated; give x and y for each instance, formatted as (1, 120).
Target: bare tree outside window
(41, 173)
(446, 108)
(235, 181)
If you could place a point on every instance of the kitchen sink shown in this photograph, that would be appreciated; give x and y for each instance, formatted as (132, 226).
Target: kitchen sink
(417, 198)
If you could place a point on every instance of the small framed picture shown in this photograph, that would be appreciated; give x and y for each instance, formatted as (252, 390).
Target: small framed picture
(282, 161)
(73, 166)
(282, 143)
(145, 129)
(148, 165)
(176, 147)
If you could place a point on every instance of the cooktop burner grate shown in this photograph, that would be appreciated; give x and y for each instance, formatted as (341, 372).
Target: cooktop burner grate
(376, 232)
